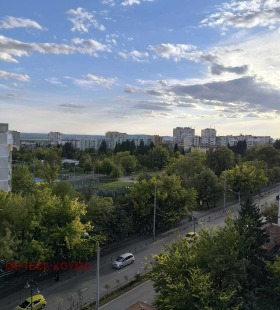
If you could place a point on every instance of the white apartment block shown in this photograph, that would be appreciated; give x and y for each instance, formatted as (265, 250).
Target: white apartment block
(147, 140)
(208, 133)
(90, 144)
(180, 133)
(55, 137)
(114, 137)
(6, 147)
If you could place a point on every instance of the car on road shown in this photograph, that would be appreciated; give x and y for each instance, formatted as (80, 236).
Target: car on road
(123, 260)
(190, 236)
(38, 302)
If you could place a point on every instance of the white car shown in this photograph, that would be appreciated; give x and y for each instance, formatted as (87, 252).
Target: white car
(123, 260)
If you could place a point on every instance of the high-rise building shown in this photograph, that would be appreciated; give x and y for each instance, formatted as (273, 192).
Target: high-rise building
(16, 138)
(114, 137)
(55, 137)
(6, 147)
(180, 133)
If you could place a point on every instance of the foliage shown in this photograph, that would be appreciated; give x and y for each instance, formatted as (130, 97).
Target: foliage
(186, 167)
(276, 144)
(43, 226)
(245, 178)
(128, 162)
(220, 159)
(268, 154)
(239, 148)
(208, 187)
(63, 189)
(185, 277)
(110, 221)
(158, 157)
(49, 172)
(103, 149)
(173, 202)
(22, 180)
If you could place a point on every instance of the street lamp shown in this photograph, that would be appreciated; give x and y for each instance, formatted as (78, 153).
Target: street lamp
(225, 195)
(237, 193)
(154, 217)
(31, 284)
(97, 268)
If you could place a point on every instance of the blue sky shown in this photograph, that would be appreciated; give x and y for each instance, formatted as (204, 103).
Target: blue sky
(140, 66)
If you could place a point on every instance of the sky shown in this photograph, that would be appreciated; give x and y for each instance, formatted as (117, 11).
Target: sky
(140, 66)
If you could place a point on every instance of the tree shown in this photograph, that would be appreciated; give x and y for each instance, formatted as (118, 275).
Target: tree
(49, 172)
(245, 178)
(207, 275)
(128, 162)
(116, 171)
(208, 187)
(186, 167)
(63, 189)
(158, 157)
(103, 149)
(276, 144)
(106, 166)
(173, 202)
(250, 226)
(45, 226)
(22, 180)
(239, 148)
(220, 159)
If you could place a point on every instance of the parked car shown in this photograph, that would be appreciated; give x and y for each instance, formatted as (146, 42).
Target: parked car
(38, 302)
(123, 260)
(191, 236)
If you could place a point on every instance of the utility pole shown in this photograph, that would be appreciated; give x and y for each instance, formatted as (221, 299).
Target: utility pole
(278, 198)
(225, 188)
(154, 219)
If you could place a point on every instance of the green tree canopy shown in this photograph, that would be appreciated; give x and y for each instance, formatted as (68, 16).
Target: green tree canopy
(220, 159)
(245, 178)
(22, 180)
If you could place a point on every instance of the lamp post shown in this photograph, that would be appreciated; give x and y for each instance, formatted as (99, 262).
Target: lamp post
(225, 187)
(97, 268)
(31, 284)
(154, 215)
(237, 193)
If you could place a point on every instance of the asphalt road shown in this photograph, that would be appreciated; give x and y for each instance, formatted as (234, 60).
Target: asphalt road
(65, 293)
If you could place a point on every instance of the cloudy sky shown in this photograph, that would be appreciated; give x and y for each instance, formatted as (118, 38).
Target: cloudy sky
(140, 66)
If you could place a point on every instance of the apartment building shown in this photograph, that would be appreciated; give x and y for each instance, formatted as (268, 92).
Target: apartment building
(180, 133)
(6, 147)
(88, 143)
(16, 138)
(55, 137)
(114, 137)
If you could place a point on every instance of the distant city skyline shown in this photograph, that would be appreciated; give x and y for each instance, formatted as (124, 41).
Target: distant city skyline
(140, 66)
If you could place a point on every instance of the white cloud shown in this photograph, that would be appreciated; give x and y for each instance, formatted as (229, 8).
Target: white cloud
(10, 48)
(15, 76)
(245, 14)
(92, 80)
(54, 81)
(132, 2)
(134, 55)
(83, 20)
(10, 22)
(177, 52)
